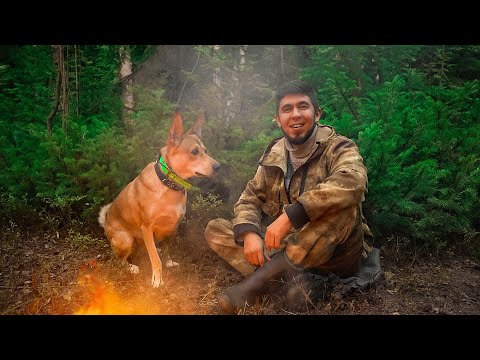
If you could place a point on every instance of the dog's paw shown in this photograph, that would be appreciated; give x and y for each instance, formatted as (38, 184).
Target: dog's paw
(134, 269)
(170, 263)
(157, 280)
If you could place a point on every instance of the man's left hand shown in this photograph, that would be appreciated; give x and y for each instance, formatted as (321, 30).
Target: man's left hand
(276, 231)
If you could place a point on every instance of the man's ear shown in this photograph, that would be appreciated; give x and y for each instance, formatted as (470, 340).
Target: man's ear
(176, 130)
(277, 120)
(197, 126)
(318, 114)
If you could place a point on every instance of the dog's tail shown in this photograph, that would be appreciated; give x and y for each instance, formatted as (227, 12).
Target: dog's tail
(102, 216)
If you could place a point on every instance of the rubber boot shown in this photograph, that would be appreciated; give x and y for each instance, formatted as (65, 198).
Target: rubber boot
(301, 292)
(256, 284)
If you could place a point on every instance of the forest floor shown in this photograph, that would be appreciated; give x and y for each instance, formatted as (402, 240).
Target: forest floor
(70, 273)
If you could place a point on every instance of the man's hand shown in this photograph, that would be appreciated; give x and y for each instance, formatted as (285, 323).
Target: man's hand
(276, 231)
(253, 249)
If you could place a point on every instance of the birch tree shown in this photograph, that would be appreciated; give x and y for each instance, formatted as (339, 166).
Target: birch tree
(126, 82)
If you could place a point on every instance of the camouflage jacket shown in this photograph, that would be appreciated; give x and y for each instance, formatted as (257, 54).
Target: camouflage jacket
(332, 179)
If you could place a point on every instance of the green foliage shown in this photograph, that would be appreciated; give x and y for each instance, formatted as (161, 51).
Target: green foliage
(84, 242)
(368, 67)
(51, 172)
(203, 208)
(423, 162)
(99, 93)
(344, 75)
(25, 90)
(14, 210)
(240, 163)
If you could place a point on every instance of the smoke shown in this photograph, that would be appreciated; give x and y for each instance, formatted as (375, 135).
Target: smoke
(234, 83)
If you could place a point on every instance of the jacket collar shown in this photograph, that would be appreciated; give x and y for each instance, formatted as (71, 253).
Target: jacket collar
(277, 156)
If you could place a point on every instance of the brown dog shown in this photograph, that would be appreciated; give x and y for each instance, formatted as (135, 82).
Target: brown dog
(151, 206)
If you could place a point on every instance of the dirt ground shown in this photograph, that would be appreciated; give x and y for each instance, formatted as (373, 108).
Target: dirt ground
(70, 273)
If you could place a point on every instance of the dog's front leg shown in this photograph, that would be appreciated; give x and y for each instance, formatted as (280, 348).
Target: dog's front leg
(153, 255)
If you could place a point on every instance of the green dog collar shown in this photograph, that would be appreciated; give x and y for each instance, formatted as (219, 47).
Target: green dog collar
(177, 180)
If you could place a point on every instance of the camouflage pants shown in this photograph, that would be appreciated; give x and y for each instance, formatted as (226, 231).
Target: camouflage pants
(219, 236)
(324, 246)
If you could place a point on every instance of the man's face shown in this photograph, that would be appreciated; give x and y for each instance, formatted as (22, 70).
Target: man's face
(296, 117)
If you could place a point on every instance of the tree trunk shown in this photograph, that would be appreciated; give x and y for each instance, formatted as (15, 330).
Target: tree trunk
(126, 81)
(57, 56)
(282, 63)
(216, 70)
(234, 91)
(76, 79)
(186, 80)
(64, 90)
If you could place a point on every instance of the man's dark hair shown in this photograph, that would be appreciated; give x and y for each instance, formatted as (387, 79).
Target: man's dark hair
(296, 87)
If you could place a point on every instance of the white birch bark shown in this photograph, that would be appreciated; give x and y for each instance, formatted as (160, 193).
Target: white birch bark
(126, 81)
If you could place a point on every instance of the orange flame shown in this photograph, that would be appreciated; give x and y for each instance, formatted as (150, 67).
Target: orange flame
(101, 298)
(104, 299)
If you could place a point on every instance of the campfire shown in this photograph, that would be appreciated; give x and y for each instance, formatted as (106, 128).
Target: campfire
(104, 300)
(101, 297)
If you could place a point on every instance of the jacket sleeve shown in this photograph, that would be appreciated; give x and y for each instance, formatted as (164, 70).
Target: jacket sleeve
(344, 187)
(248, 209)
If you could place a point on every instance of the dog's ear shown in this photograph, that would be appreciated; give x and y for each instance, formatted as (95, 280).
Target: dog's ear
(176, 130)
(197, 126)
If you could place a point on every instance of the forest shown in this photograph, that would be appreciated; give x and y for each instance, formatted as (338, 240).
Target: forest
(79, 122)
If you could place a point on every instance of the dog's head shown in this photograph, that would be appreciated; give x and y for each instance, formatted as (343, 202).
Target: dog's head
(185, 153)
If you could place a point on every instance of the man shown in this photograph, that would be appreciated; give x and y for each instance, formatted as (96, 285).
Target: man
(312, 182)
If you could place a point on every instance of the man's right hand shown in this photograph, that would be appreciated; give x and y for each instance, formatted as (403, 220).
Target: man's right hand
(253, 249)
